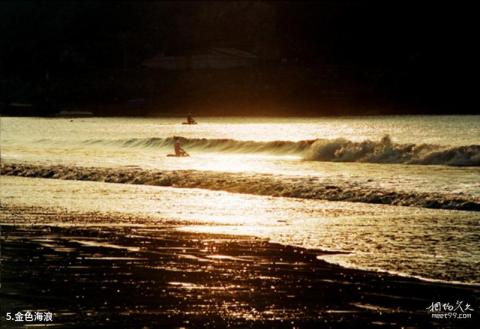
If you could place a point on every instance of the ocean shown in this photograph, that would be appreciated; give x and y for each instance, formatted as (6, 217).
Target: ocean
(398, 194)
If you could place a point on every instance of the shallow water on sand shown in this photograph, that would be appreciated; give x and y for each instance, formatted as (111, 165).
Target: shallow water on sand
(428, 243)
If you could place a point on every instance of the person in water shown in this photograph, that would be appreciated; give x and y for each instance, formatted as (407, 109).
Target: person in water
(190, 119)
(179, 151)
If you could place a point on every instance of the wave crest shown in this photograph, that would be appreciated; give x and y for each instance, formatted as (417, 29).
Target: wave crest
(259, 184)
(385, 151)
(337, 150)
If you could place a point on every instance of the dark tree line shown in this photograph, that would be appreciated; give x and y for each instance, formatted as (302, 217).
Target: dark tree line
(414, 53)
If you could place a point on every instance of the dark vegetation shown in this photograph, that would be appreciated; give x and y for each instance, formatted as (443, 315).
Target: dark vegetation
(321, 58)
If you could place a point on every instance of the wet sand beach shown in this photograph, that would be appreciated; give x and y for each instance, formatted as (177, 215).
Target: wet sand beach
(137, 276)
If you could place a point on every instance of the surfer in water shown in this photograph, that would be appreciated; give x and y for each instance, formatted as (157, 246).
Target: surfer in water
(190, 119)
(179, 151)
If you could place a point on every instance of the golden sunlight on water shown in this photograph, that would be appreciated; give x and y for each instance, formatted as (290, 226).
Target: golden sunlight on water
(405, 129)
(380, 237)
(216, 145)
(238, 164)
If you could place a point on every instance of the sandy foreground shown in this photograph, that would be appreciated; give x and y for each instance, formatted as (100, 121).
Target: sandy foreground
(88, 274)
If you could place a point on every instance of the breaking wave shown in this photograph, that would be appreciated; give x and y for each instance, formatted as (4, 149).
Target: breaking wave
(385, 151)
(258, 184)
(337, 150)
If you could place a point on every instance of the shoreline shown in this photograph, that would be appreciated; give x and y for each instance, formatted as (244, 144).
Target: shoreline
(157, 276)
(400, 274)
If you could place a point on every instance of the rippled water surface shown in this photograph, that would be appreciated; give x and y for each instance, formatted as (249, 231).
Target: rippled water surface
(423, 157)
(111, 142)
(445, 130)
(434, 244)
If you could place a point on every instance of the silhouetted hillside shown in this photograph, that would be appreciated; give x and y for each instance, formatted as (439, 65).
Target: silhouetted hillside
(386, 57)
